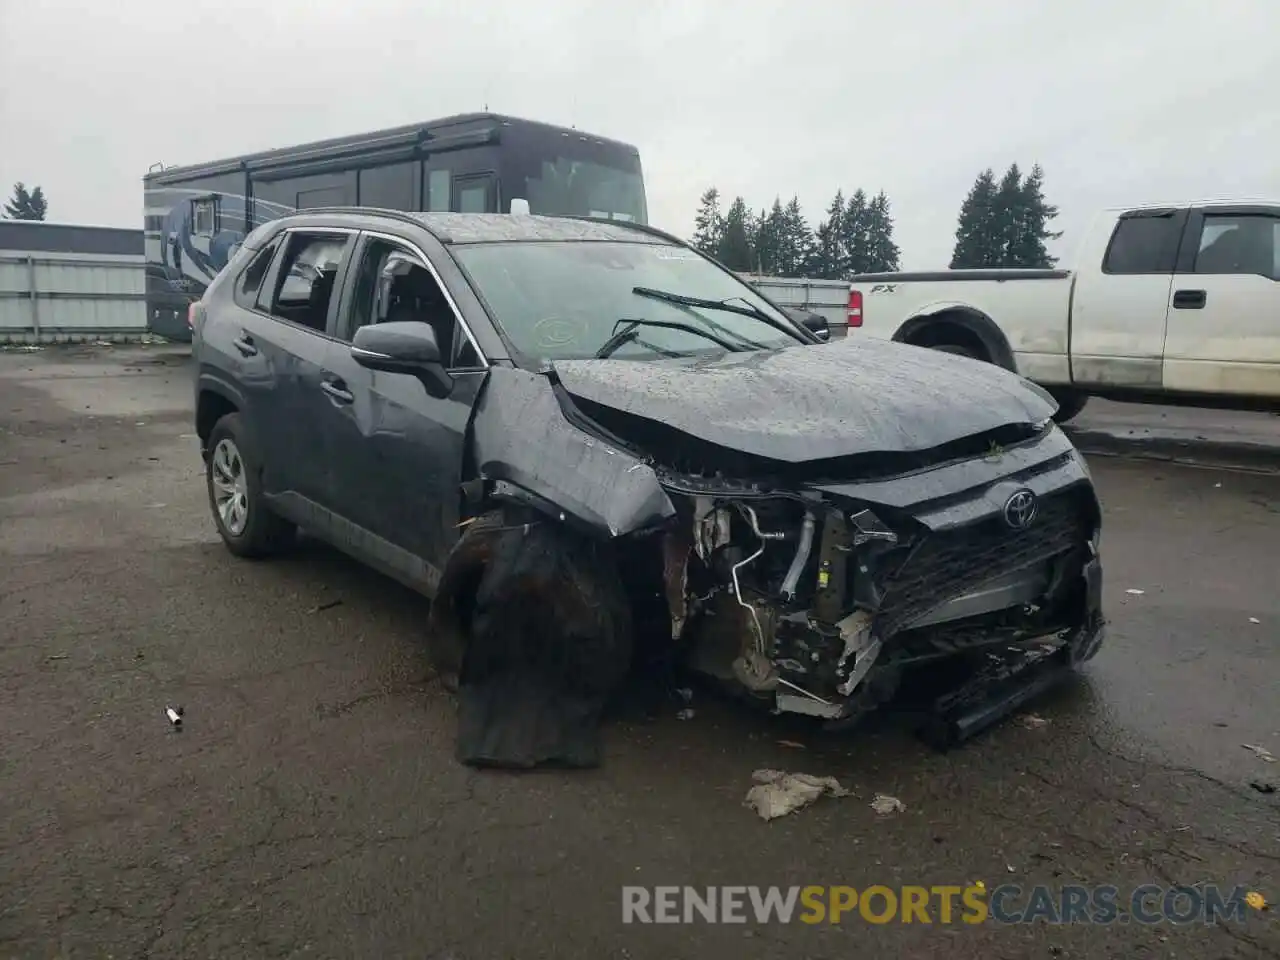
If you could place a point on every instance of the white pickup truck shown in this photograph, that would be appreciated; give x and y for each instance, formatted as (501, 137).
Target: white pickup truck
(1172, 304)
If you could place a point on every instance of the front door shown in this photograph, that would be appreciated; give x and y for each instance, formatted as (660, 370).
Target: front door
(1224, 318)
(397, 451)
(1118, 314)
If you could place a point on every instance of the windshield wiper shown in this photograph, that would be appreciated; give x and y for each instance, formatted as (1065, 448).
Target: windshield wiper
(631, 332)
(746, 311)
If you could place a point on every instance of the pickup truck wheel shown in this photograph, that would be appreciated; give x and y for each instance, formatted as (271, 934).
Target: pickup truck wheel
(1069, 405)
(233, 477)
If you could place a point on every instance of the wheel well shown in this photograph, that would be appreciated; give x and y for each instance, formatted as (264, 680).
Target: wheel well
(210, 408)
(943, 330)
(962, 327)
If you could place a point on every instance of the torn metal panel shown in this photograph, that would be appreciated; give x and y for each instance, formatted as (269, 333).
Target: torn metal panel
(520, 435)
(676, 547)
(855, 396)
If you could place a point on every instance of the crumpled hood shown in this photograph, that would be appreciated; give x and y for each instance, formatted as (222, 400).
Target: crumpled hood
(852, 396)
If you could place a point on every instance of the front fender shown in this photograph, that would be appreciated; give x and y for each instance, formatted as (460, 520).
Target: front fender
(524, 446)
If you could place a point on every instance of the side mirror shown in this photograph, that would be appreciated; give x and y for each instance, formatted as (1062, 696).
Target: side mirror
(406, 347)
(813, 322)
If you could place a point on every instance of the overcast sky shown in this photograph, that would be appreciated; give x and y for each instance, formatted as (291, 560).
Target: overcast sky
(1123, 102)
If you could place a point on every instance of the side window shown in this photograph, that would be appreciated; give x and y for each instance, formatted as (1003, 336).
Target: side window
(1143, 245)
(392, 285)
(472, 194)
(1239, 245)
(204, 217)
(250, 281)
(439, 186)
(304, 285)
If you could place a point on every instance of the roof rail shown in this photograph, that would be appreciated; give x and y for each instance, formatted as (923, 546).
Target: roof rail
(380, 211)
(641, 227)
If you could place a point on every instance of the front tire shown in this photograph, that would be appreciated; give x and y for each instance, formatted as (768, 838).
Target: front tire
(233, 479)
(1070, 404)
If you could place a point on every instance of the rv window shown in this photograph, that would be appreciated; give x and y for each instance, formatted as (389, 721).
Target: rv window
(204, 217)
(307, 274)
(438, 190)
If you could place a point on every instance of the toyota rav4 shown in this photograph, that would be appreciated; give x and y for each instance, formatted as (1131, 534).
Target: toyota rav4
(588, 443)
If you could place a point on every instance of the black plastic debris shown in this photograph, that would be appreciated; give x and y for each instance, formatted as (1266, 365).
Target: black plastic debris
(550, 640)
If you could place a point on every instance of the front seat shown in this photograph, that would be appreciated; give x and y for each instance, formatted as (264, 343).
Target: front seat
(415, 296)
(318, 299)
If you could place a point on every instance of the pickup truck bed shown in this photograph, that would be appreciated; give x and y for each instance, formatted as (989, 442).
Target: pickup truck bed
(1175, 304)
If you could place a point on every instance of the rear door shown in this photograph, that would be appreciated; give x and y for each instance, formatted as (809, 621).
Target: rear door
(397, 451)
(1224, 322)
(1119, 313)
(285, 339)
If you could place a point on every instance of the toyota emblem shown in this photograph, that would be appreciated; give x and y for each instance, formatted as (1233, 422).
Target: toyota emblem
(1020, 509)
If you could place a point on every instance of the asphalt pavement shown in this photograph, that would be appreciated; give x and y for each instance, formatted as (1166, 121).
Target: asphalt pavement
(310, 805)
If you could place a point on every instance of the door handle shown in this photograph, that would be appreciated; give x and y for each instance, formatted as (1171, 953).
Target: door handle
(1189, 299)
(245, 345)
(337, 390)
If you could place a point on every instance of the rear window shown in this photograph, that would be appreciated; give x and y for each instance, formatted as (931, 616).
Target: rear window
(1143, 245)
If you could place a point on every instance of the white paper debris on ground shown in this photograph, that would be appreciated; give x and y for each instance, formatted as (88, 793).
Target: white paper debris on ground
(884, 804)
(1262, 753)
(1254, 620)
(1032, 721)
(778, 793)
(1134, 591)
(175, 715)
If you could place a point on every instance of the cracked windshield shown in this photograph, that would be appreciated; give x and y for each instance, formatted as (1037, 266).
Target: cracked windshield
(645, 481)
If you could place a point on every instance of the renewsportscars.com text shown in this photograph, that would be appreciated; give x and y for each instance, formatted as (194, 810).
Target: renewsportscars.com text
(970, 904)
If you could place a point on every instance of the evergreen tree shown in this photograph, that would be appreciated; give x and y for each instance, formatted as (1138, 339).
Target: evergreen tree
(853, 233)
(735, 248)
(975, 236)
(770, 239)
(1027, 246)
(882, 252)
(1010, 213)
(708, 225)
(26, 205)
(830, 246)
(797, 251)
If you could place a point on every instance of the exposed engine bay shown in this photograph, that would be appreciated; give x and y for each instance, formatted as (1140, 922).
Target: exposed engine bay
(817, 606)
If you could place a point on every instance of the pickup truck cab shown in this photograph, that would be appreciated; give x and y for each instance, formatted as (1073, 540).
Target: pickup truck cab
(1170, 304)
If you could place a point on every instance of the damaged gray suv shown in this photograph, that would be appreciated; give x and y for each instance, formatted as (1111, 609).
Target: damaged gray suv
(590, 445)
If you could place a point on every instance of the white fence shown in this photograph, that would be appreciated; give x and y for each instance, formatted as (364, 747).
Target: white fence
(827, 298)
(48, 297)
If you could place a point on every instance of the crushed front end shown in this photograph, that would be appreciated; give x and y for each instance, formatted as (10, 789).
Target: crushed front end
(816, 595)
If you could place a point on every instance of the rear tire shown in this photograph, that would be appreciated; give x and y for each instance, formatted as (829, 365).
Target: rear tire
(233, 477)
